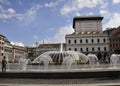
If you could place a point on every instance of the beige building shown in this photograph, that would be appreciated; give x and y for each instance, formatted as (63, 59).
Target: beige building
(88, 37)
(5, 48)
(33, 52)
(115, 40)
(18, 52)
(114, 37)
(2, 37)
(8, 52)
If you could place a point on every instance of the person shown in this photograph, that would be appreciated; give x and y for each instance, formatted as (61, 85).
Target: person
(4, 62)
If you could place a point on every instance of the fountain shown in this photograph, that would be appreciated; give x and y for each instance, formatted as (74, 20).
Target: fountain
(65, 64)
(46, 59)
(114, 60)
(68, 61)
(23, 63)
(60, 58)
(93, 60)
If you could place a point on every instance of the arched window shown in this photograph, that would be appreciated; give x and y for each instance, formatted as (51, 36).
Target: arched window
(104, 48)
(98, 48)
(86, 40)
(80, 40)
(69, 41)
(75, 49)
(92, 48)
(69, 48)
(87, 49)
(104, 40)
(75, 41)
(98, 40)
(92, 40)
(81, 49)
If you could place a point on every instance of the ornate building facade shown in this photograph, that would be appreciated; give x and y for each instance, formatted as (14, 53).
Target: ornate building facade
(2, 37)
(88, 37)
(114, 37)
(5, 48)
(18, 52)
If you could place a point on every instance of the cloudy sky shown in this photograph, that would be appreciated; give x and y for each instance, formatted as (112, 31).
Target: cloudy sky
(27, 21)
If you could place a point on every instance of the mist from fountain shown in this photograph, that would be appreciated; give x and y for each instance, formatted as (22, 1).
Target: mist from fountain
(68, 61)
(23, 63)
(66, 58)
(93, 60)
(46, 60)
(114, 60)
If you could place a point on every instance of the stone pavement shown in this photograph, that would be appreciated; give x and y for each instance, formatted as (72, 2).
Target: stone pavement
(60, 82)
(60, 85)
(99, 84)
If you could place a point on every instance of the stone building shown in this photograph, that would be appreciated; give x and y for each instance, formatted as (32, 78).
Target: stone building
(2, 37)
(33, 52)
(51, 47)
(18, 52)
(8, 52)
(88, 37)
(5, 48)
(114, 37)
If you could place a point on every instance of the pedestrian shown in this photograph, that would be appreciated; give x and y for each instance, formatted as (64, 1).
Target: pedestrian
(4, 63)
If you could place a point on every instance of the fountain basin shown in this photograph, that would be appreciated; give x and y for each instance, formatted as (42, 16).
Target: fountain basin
(63, 74)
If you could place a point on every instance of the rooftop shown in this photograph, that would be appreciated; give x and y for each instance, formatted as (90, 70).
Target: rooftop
(82, 18)
(2, 35)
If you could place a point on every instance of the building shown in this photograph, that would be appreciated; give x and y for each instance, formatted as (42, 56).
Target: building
(18, 52)
(33, 52)
(114, 36)
(88, 37)
(51, 47)
(8, 52)
(2, 37)
(5, 48)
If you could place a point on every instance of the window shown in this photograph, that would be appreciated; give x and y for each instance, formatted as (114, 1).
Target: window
(98, 40)
(81, 49)
(2, 43)
(104, 40)
(69, 41)
(104, 48)
(2, 54)
(92, 40)
(80, 40)
(2, 48)
(75, 49)
(86, 40)
(92, 49)
(69, 48)
(86, 49)
(75, 41)
(98, 48)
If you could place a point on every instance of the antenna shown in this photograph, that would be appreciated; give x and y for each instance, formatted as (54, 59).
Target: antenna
(36, 41)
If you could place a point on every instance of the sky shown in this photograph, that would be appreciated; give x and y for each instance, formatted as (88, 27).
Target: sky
(25, 22)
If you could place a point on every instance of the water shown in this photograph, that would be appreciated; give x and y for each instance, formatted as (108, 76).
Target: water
(23, 63)
(114, 60)
(65, 60)
(93, 60)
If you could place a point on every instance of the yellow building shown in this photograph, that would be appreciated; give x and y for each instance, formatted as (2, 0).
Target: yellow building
(8, 51)
(18, 52)
(5, 48)
(2, 37)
